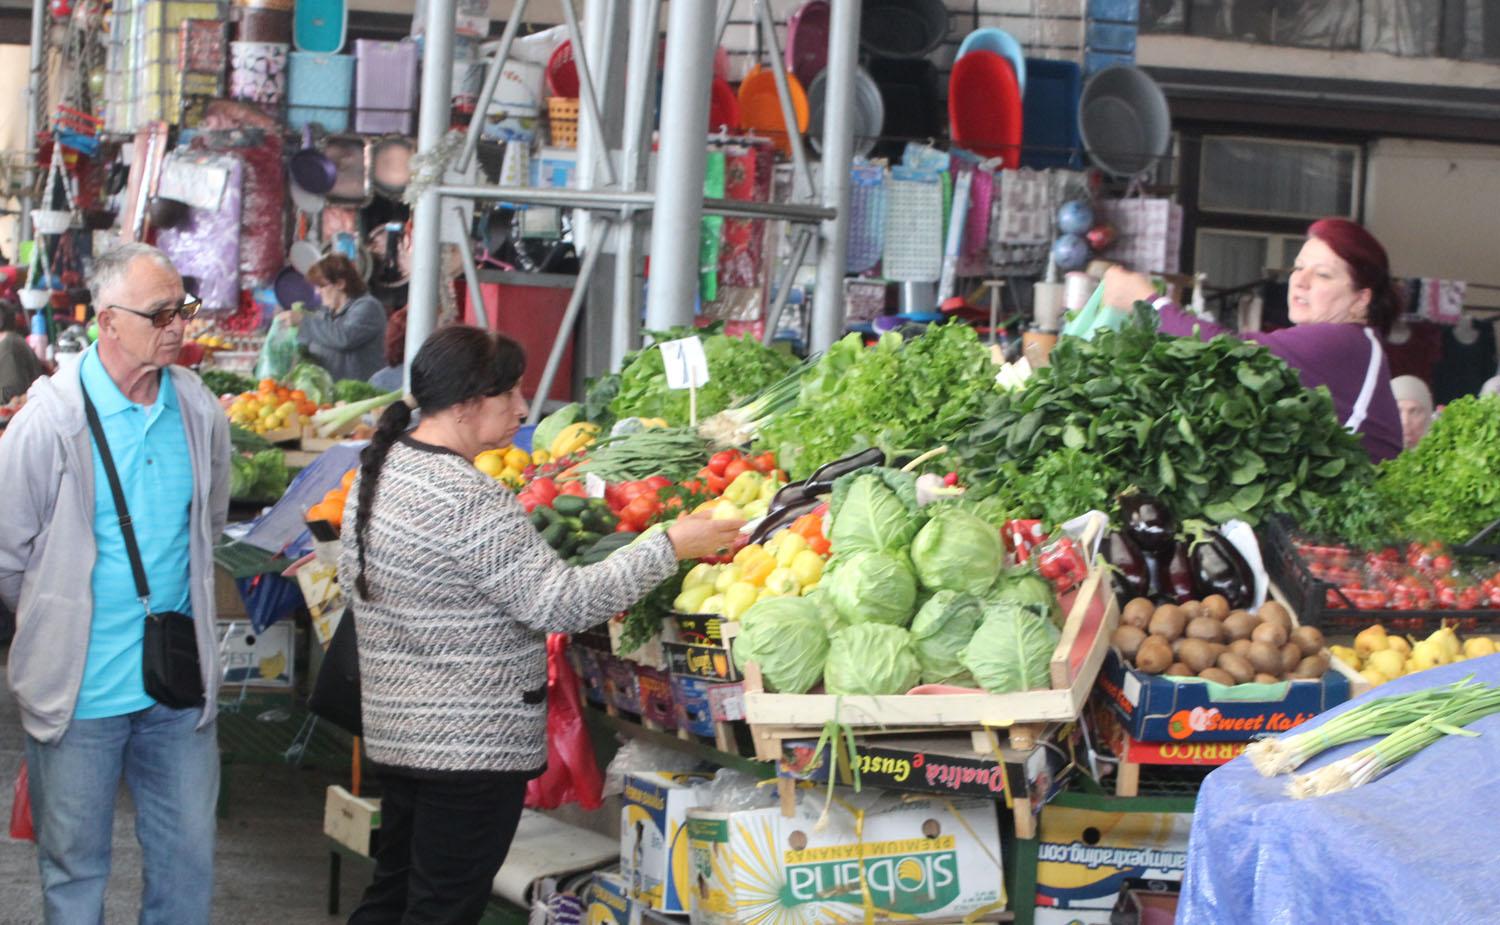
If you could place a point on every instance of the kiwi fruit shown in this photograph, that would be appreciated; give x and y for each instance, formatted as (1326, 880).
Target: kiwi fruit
(1291, 655)
(1179, 669)
(1216, 606)
(1238, 667)
(1218, 675)
(1241, 647)
(1309, 639)
(1128, 640)
(1263, 678)
(1314, 666)
(1273, 634)
(1265, 657)
(1168, 621)
(1273, 612)
(1196, 654)
(1137, 613)
(1206, 628)
(1239, 625)
(1154, 655)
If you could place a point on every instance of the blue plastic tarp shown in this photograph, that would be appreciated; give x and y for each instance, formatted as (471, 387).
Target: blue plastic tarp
(1416, 845)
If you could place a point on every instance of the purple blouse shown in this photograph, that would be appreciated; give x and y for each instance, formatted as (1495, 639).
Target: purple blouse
(1333, 355)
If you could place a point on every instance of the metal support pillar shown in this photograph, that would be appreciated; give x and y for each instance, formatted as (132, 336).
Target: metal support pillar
(426, 262)
(838, 150)
(38, 68)
(570, 317)
(680, 164)
(635, 147)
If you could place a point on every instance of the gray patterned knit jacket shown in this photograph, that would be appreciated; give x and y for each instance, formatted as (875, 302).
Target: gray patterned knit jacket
(463, 591)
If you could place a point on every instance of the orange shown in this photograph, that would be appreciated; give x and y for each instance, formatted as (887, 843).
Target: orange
(348, 481)
(298, 395)
(268, 385)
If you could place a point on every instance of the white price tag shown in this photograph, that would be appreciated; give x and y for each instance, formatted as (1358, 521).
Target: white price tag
(687, 367)
(593, 486)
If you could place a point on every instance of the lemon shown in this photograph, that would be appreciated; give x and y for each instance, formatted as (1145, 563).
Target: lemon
(517, 459)
(490, 464)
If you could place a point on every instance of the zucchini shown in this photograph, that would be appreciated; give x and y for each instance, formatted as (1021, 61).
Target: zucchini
(601, 550)
(570, 505)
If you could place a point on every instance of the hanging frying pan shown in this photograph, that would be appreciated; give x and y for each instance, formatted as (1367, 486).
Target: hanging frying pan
(311, 169)
(984, 107)
(291, 287)
(390, 165)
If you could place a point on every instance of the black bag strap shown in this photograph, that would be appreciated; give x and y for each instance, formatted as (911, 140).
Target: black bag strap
(142, 589)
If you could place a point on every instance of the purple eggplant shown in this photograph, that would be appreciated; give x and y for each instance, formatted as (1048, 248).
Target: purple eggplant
(1131, 565)
(1148, 522)
(1218, 568)
(1176, 568)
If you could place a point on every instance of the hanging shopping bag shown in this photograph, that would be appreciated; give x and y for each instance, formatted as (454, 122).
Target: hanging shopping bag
(20, 807)
(572, 773)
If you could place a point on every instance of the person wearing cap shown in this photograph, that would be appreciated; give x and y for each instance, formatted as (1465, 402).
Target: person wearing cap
(1414, 400)
(1341, 300)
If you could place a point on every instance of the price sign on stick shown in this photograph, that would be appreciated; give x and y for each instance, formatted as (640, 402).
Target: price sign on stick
(686, 368)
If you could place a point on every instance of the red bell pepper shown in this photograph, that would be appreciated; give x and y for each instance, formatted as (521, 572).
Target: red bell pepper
(574, 488)
(543, 489)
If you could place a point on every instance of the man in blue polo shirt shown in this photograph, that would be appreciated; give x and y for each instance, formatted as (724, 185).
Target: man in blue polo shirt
(76, 660)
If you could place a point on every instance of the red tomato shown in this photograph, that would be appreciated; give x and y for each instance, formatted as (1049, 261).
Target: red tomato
(721, 460)
(735, 468)
(765, 462)
(640, 510)
(658, 482)
(544, 489)
(574, 488)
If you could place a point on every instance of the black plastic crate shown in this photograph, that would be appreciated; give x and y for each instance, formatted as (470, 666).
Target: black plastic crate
(1310, 596)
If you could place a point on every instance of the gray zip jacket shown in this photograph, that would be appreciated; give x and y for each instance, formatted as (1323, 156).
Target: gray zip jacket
(47, 541)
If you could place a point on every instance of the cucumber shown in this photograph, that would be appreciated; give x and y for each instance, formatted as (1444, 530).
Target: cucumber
(570, 505)
(549, 516)
(538, 519)
(555, 535)
(601, 550)
(586, 538)
(597, 521)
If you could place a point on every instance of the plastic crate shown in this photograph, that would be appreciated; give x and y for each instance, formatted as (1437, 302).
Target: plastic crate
(1115, 10)
(1320, 603)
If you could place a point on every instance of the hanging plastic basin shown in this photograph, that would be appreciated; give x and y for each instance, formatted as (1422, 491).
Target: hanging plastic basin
(807, 41)
(723, 107)
(903, 28)
(34, 299)
(51, 221)
(562, 74)
(1001, 43)
(869, 112)
(1124, 120)
(760, 108)
(984, 107)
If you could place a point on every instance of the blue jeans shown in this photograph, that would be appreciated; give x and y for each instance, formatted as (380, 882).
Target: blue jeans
(172, 770)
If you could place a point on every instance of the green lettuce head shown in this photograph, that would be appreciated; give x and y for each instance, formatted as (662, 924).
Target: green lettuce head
(1012, 649)
(871, 658)
(941, 629)
(785, 636)
(957, 551)
(872, 587)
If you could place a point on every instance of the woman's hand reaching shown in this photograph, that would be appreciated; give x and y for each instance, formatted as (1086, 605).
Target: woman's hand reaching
(696, 535)
(1123, 288)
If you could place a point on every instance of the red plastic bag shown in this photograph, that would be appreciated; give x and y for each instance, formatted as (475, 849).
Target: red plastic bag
(572, 773)
(20, 807)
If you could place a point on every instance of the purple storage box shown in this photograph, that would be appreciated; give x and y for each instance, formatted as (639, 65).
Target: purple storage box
(385, 86)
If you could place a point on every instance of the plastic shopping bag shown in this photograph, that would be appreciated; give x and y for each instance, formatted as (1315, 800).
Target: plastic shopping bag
(1093, 316)
(20, 807)
(279, 353)
(572, 773)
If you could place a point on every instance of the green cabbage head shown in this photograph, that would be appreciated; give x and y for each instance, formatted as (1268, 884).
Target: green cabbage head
(941, 629)
(872, 587)
(957, 551)
(1012, 649)
(786, 637)
(871, 658)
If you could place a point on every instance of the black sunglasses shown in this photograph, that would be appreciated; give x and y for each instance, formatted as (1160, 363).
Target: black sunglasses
(163, 317)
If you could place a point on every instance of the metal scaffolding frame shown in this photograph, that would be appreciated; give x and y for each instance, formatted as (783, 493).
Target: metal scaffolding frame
(613, 196)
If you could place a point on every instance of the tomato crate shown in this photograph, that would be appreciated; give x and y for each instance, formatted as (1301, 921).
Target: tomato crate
(1302, 571)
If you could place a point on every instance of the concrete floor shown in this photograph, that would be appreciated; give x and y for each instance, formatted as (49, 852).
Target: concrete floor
(272, 858)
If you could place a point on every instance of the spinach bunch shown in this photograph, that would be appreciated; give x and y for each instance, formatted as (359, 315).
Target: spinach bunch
(1218, 429)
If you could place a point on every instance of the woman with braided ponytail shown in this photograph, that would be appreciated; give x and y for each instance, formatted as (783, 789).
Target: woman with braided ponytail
(454, 593)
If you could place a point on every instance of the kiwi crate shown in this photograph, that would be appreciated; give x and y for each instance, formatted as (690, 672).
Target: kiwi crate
(1321, 603)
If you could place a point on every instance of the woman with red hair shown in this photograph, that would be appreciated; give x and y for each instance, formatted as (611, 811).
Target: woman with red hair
(1341, 302)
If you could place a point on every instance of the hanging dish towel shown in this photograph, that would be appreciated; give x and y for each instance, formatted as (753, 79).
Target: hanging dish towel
(914, 226)
(866, 217)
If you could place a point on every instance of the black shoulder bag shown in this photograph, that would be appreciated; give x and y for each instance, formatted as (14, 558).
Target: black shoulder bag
(336, 695)
(169, 655)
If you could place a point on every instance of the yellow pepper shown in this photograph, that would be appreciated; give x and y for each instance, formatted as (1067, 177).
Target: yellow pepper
(745, 488)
